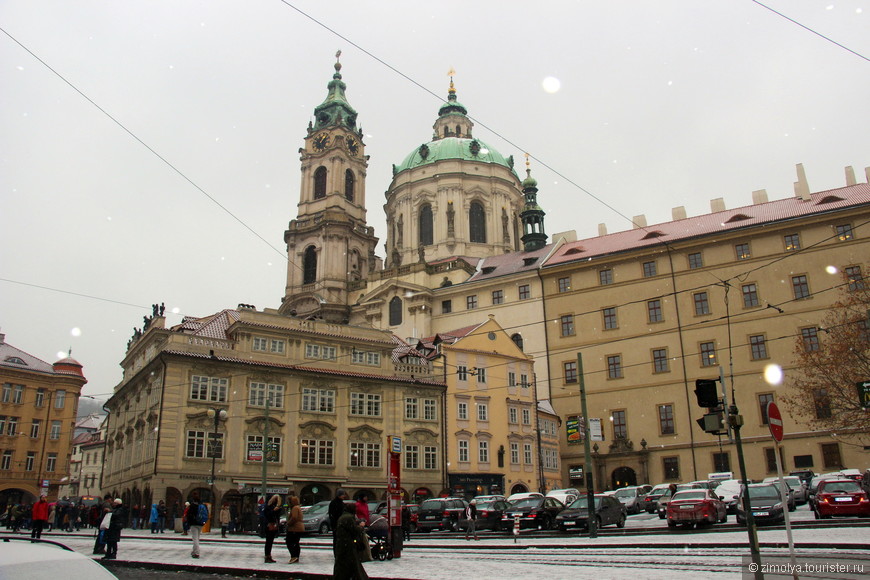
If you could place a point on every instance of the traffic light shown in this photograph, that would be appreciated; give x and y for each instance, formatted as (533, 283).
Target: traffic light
(705, 390)
(713, 423)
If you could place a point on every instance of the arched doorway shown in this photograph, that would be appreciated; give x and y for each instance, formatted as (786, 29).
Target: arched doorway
(314, 493)
(519, 488)
(421, 494)
(622, 477)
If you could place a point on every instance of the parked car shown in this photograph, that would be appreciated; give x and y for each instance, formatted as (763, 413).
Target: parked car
(696, 506)
(565, 496)
(489, 514)
(651, 499)
(631, 497)
(797, 490)
(662, 504)
(806, 475)
(814, 486)
(515, 497)
(765, 502)
(316, 518)
(729, 491)
(534, 512)
(841, 497)
(410, 512)
(441, 513)
(608, 510)
(495, 497)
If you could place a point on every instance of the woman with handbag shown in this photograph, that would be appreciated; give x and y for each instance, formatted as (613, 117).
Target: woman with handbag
(350, 548)
(271, 514)
(295, 527)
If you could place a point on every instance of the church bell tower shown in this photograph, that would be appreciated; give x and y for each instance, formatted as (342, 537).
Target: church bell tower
(330, 249)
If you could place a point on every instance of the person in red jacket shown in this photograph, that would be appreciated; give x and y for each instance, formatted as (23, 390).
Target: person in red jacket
(39, 517)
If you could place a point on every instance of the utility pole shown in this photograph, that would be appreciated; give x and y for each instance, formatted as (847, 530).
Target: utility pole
(591, 519)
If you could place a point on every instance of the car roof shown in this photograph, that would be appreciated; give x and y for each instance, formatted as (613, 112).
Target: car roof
(47, 560)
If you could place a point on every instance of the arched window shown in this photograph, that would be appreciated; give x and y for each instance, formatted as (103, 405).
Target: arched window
(458, 131)
(518, 340)
(349, 181)
(477, 222)
(309, 265)
(320, 182)
(426, 225)
(395, 311)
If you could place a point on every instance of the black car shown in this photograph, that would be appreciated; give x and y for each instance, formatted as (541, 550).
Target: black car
(765, 502)
(533, 512)
(608, 510)
(441, 513)
(489, 514)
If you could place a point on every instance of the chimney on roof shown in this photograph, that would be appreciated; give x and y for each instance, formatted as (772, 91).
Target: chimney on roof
(678, 213)
(801, 187)
(850, 176)
(759, 196)
(602, 228)
(638, 221)
(717, 204)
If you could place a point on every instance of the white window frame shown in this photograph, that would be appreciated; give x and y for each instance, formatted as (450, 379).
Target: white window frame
(463, 449)
(317, 452)
(258, 393)
(482, 412)
(318, 400)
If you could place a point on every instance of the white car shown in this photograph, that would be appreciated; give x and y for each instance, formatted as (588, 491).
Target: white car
(566, 496)
(518, 496)
(46, 560)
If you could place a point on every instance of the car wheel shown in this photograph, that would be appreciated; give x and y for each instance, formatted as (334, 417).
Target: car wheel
(324, 528)
(598, 524)
(661, 515)
(724, 518)
(544, 523)
(620, 523)
(672, 524)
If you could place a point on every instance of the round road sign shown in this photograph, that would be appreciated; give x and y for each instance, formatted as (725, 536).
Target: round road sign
(774, 421)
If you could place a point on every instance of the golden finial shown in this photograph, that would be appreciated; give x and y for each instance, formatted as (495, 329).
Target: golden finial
(337, 63)
(528, 165)
(450, 73)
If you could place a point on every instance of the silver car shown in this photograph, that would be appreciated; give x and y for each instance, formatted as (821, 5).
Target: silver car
(316, 518)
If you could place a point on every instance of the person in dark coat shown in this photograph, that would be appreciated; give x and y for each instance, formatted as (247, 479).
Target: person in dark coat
(349, 539)
(271, 516)
(336, 508)
(113, 534)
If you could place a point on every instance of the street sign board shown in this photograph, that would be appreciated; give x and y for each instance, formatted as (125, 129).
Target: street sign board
(863, 393)
(396, 444)
(774, 421)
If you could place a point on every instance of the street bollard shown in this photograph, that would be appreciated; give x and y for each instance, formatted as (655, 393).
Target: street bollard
(516, 528)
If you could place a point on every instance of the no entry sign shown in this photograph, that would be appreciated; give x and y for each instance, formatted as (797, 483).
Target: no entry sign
(774, 421)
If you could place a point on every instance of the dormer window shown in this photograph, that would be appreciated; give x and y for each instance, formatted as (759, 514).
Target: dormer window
(15, 360)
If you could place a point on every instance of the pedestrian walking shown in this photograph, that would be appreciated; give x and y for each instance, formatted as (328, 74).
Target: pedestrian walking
(271, 515)
(350, 542)
(161, 516)
(100, 540)
(113, 531)
(471, 516)
(224, 518)
(39, 517)
(295, 528)
(134, 517)
(52, 515)
(362, 509)
(185, 527)
(197, 516)
(153, 518)
(336, 508)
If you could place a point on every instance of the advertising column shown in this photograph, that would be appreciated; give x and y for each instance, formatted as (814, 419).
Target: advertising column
(394, 493)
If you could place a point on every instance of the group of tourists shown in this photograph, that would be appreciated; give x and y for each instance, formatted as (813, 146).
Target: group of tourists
(64, 515)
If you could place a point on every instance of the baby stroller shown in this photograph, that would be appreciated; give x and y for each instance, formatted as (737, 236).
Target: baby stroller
(379, 538)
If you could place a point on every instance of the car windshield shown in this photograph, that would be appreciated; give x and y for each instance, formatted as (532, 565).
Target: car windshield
(317, 509)
(485, 505)
(431, 504)
(689, 495)
(841, 487)
(528, 502)
(659, 489)
(581, 503)
(763, 492)
(625, 492)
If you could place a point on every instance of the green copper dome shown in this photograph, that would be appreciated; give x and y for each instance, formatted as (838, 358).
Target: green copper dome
(463, 148)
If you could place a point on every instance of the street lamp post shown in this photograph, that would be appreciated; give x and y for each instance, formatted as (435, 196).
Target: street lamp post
(218, 415)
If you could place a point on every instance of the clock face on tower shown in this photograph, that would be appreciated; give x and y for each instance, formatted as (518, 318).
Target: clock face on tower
(352, 145)
(321, 141)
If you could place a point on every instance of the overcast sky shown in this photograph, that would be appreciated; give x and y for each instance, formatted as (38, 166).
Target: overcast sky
(108, 210)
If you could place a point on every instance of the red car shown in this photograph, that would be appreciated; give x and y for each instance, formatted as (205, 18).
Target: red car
(841, 497)
(696, 506)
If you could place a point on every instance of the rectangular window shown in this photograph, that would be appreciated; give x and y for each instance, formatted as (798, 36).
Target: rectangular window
(7, 393)
(742, 251)
(515, 453)
(708, 354)
(702, 304)
(605, 277)
(567, 324)
(620, 428)
(196, 444)
(810, 337)
(610, 321)
(18, 395)
(527, 453)
(51, 462)
(29, 461)
(758, 347)
(411, 408)
(59, 399)
(654, 310)
(34, 429)
(649, 269)
(365, 454)
(212, 389)
(513, 416)
(770, 459)
(666, 419)
(316, 452)
(276, 346)
(524, 381)
(671, 467)
(482, 412)
(6, 460)
(483, 451)
(800, 286)
(695, 261)
(12, 426)
(512, 379)
(844, 232)
(831, 456)
(319, 351)
(471, 302)
(855, 278)
(792, 242)
(430, 457)
(763, 400)
(822, 403)
(614, 366)
(365, 404)
(570, 370)
(430, 410)
(462, 372)
(446, 306)
(660, 360)
(258, 393)
(497, 297)
(721, 462)
(525, 292)
(2, 424)
(463, 450)
(272, 451)
(318, 400)
(462, 411)
(564, 284)
(40, 397)
(362, 357)
(412, 456)
(750, 295)
(259, 343)
(527, 417)
(54, 433)
(481, 375)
